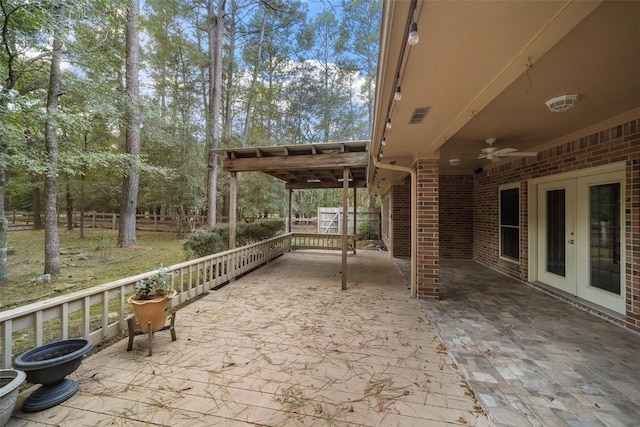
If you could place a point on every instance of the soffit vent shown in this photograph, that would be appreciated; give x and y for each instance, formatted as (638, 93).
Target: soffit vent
(418, 115)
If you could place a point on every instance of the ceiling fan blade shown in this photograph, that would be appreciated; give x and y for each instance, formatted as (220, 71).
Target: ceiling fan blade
(520, 154)
(503, 151)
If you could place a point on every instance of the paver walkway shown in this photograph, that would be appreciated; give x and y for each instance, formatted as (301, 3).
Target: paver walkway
(281, 346)
(532, 359)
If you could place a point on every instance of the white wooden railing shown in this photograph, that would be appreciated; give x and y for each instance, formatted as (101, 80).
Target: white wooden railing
(322, 241)
(100, 312)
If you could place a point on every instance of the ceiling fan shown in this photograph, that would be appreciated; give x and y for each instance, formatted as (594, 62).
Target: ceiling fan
(494, 154)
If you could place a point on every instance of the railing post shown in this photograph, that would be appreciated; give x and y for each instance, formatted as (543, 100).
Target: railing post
(7, 336)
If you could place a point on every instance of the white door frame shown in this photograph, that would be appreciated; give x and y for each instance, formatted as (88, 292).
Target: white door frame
(614, 169)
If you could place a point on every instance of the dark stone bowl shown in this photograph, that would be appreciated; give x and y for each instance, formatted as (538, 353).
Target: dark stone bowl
(50, 363)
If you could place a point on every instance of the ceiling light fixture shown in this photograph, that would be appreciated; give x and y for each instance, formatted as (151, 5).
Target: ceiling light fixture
(562, 103)
(414, 37)
(388, 123)
(398, 95)
(455, 162)
(383, 142)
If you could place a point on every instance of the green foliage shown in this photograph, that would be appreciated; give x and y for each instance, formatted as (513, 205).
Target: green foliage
(156, 286)
(258, 231)
(365, 229)
(261, 195)
(207, 242)
(309, 71)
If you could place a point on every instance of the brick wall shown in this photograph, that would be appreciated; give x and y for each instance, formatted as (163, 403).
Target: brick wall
(428, 255)
(456, 216)
(616, 144)
(401, 219)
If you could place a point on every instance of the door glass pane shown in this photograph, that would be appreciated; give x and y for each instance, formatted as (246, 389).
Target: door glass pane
(556, 232)
(605, 237)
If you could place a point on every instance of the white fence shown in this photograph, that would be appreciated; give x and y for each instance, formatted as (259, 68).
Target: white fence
(330, 220)
(323, 241)
(100, 312)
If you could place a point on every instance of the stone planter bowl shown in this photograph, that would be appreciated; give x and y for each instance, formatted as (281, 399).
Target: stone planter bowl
(10, 381)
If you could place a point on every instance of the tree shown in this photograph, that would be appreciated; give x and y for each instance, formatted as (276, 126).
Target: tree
(254, 81)
(175, 134)
(129, 197)
(215, 34)
(20, 23)
(363, 20)
(362, 25)
(51, 242)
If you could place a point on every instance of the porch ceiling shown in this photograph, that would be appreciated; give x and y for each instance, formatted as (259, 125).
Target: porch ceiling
(486, 68)
(304, 166)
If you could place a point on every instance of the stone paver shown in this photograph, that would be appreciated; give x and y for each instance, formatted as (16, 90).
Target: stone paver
(282, 346)
(532, 359)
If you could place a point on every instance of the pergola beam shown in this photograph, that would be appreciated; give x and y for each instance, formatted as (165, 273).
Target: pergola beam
(317, 185)
(298, 162)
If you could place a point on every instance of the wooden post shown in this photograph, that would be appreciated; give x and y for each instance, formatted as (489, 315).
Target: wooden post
(290, 203)
(355, 212)
(233, 196)
(345, 216)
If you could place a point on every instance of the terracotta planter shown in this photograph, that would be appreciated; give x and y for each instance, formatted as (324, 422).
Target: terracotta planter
(10, 380)
(154, 310)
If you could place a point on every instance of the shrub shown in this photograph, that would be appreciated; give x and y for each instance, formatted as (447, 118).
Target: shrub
(216, 239)
(365, 229)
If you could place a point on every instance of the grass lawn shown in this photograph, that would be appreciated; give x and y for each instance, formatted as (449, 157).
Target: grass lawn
(84, 263)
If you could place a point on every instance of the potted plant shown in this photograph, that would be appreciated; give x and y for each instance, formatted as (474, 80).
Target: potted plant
(152, 299)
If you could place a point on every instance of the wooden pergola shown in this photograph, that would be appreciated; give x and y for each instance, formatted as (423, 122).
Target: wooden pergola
(310, 166)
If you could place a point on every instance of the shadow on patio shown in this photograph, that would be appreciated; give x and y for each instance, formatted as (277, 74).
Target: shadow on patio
(282, 346)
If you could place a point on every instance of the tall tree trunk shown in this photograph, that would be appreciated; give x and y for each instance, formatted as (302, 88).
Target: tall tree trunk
(51, 242)
(4, 172)
(131, 180)
(215, 38)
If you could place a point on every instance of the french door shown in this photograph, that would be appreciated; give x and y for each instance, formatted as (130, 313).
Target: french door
(580, 237)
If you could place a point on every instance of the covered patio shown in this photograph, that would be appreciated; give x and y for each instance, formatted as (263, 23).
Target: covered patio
(283, 345)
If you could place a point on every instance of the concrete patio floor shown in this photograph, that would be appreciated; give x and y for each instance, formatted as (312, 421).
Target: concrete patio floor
(531, 359)
(281, 346)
